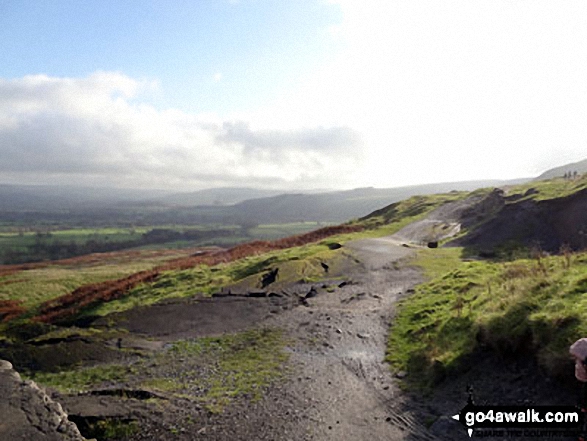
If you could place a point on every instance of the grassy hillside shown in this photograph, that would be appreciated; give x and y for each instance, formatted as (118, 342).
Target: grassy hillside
(558, 172)
(531, 304)
(191, 276)
(35, 283)
(532, 307)
(547, 189)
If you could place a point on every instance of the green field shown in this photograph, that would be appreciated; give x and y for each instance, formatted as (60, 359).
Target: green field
(37, 285)
(21, 245)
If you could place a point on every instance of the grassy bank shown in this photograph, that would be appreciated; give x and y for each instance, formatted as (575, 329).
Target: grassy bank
(44, 282)
(295, 264)
(531, 307)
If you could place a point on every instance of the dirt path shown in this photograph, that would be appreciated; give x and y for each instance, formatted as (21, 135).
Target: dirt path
(343, 379)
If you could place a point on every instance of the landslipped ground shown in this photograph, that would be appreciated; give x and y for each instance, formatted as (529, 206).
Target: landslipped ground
(292, 344)
(335, 383)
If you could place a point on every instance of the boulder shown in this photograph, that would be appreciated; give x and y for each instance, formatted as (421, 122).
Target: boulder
(28, 412)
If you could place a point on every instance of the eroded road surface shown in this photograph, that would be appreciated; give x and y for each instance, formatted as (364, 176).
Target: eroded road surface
(343, 384)
(337, 385)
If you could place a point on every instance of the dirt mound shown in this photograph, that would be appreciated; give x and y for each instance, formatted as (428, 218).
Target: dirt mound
(528, 222)
(490, 221)
(447, 220)
(51, 357)
(68, 305)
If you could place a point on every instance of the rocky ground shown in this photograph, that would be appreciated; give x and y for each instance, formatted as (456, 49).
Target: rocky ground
(336, 385)
(28, 413)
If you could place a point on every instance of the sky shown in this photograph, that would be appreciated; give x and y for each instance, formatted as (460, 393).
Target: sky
(289, 94)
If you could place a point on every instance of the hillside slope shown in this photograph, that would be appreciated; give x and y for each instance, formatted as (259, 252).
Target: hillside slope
(304, 327)
(66, 206)
(546, 215)
(558, 172)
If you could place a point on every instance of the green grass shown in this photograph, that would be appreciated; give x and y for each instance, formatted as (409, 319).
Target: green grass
(68, 332)
(35, 286)
(244, 364)
(437, 262)
(84, 378)
(550, 189)
(294, 265)
(525, 306)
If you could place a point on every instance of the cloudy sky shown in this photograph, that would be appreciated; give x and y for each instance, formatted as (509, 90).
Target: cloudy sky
(289, 94)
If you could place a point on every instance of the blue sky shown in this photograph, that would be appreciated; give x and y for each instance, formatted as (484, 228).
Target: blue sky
(289, 94)
(208, 55)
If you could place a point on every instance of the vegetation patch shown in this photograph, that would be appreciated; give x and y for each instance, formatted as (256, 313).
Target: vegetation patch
(548, 189)
(394, 217)
(105, 429)
(92, 295)
(85, 378)
(222, 368)
(33, 284)
(68, 333)
(530, 307)
(210, 370)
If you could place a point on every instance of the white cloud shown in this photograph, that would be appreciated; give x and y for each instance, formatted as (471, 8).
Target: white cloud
(95, 129)
(454, 89)
(421, 91)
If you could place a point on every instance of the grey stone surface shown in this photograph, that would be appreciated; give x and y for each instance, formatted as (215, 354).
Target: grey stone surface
(28, 413)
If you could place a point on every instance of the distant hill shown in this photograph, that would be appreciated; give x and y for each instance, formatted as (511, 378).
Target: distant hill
(341, 206)
(216, 196)
(64, 197)
(228, 206)
(558, 172)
